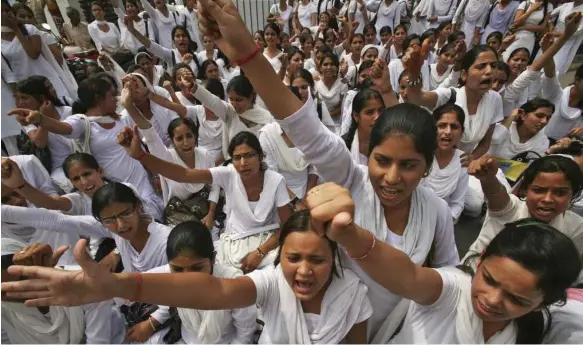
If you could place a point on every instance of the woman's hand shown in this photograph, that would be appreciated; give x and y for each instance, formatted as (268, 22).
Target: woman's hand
(283, 58)
(379, 75)
(572, 24)
(465, 159)
(140, 332)
(331, 210)
(128, 22)
(130, 140)
(111, 261)
(49, 286)
(516, 113)
(27, 116)
(186, 58)
(221, 20)
(39, 255)
(209, 220)
(546, 41)
(413, 61)
(168, 86)
(251, 261)
(576, 132)
(10, 21)
(560, 145)
(484, 167)
(11, 174)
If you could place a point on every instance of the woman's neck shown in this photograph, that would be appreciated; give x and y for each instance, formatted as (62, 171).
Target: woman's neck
(397, 216)
(473, 98)
(523, 134)
(574, 98)
(491, 328)
(441, 41)
(441, 68)
(164, 11)
(95, 111)
(444, 157)
(363, 141)
(136, 18)
(210, 52)
(329, 81)
(188, 159)
(141, 237)
(271, 49)
(355, 56)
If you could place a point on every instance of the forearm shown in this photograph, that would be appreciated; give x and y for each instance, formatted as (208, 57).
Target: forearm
(520, 19)
(494, 193)
(548, 55)
(312, 182)
(58, 55)
(40, 137)
(484, 144)
(55, 126)
(421, 98)
(271, 243)
(177, 107)
(175, 172)
(40, 199)
(141, 38)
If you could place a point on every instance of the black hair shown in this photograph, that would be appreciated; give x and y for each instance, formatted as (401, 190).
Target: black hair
(108, 77)
(97, 3)
(502, 66)
(273, 27)
(360, 101)
(35, 87)
(410, 120)
(246, 138)
(111, 193)
(547, 253)
(324, 50)
(242, 87)
(442, 26)
(91, 92)
(386, 30)
(303, 74)
(133, 68)
(203, 67)
(454, 36)
(473, 54)
(332, 57)
(304, 37)
(260, 33)
(400, 26)
(21, 26)
(300, 222)
(21, 6)
(358, 35)
(496, 34)
(295, 91)
(183, 121)
(85, 158)
(553, 164)
(192, 45)
(367, 82)
(293, 50)
(133, 2)
(179, 66)
(408, 39)
(450, 108)
(428, 33)
(533, 105)
(445, 48)
(369, 26)
(215, 87)
(192, 237)
(518, 50)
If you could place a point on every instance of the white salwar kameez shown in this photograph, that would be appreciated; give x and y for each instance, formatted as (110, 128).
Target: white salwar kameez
(566, 54)
(209, 131)
(442, 9)
(164, 25)
(565, 117)
(329, 155)
(344, 304)
(474, 14)
(508, 144)
(500, 19)
(566, 325)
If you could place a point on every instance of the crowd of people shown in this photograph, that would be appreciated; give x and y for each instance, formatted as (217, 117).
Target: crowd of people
(299, 184)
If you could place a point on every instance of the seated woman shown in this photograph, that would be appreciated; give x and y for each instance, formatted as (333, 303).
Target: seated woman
(306, 298)
(524, 130)
(448, 176)
(547, 190)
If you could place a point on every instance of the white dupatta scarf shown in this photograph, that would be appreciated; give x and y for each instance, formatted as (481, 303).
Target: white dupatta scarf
(537, 143)
(476, 129)
(474, 9)
(328, 94)
(287, 160)
(442, 7)
(257, 115)
(355, 151)
(341, 307)
(208, 325)
(469, 327)
(252, 221)
(444, 181)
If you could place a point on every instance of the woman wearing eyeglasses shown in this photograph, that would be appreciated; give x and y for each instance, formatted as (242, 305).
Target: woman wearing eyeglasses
(257, 198)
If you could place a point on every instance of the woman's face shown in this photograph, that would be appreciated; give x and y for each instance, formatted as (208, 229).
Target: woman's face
(212, 71)
(26, 101)
(499, 79)
(109, 102)
(285, 41)
(240, 103)
(85, 179)
(447, 57)
(122, 219)
(385, 37)
(357, 45)
(329, 69)
(306, 262)
(185, 79)
(548, 196)
(364, 75)
(25, 17)
(308, 45)
(131, 10)
(186, 262)
(159, 4)
(318, 44)
(246, 161)
(445, 32)
(184, 140)
(181, 40)
(449, 132)
(303, 87)
(494, 43)
(330, 41)
(271, 37)
(432, 41)
(503, 290)
(370, 36)
(403, 85)
(371, 54)
(258, 39)
(395, 169)
(209, 42)
(479, 75)
(324, 18)
(518, 62)
(400, 35)
(367, 117)
(147, 65)
(296, 63)
(535, 121)
(97, 12)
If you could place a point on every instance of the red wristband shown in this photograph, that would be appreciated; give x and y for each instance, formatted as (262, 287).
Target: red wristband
(247, 58)
(141, 155)
(139, 288)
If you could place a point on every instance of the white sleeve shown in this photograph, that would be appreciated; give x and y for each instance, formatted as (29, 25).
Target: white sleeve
(451, 80)
(482, 20)
(78, 127)
(155, 144)
(281, 194)
(445, 249)
(222, 176)
(551, 88)
(521, 83)
(458, 11)
(449, 14)
(346, 115)
(150, 10)
(54, 221)
(215, 189)
(8, 75)
(498, 109)
(97, 320)
(269, 159)
(161, 52)
(450, 290)
(457, 198)
(162, 314)
(94, 36)
(76, 200)
(219, 107)
(443, 95)
(266, 285)
(35, 173)
(326, 151)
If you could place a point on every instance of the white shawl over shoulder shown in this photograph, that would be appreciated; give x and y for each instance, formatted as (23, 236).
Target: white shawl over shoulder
(286, 159)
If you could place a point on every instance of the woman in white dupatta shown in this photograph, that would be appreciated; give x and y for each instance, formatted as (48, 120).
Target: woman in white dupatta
(257, 198)
(524, 130)
(330, 87)
(449, 176)
(306, 299)
(94, 323)
(471, 17)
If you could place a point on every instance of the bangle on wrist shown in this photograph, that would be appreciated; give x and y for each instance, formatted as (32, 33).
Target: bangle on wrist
(416, 82)
(374, 243)
(152, 324)
(260, 253)
(244, 60)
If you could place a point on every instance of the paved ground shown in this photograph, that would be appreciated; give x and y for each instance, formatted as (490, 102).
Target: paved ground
(467, 229)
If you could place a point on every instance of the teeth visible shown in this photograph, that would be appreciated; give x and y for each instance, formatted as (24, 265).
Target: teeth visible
(390, 191)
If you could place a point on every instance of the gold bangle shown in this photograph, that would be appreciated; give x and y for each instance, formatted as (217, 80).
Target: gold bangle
(152, 324)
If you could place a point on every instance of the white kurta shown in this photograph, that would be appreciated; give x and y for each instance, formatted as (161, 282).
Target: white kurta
(164, 25)
(209, 131)
(110, 40)
(508, 145)
(305, 13)
(500, 19)
(565, 117)
(566, 54)
(442, 9)
(171, 56)
(566, 326)
(329, 155)
(474, 14)
(524, 38)
(388, 16)
(128, 40)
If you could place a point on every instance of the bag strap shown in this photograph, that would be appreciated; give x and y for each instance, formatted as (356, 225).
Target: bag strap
(86, 147)
(452, 97)
(490, 13)
(147, 29)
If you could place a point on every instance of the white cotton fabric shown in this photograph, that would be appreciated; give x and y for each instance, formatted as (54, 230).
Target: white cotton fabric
(332, 96)
(472, 14)
(210, 132)
(344, 305)
(442, 9)
(388, 16)
(128, 40)
(566, 325)
(435, 79)
(515, 94)
(564, 57)
(451, 319)
(305, 13)
(508, 144)
(500, 19)
(110, 40)
(163, 24)
(449, 183)
(330, 156)
(565, 117)
(476, 125)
